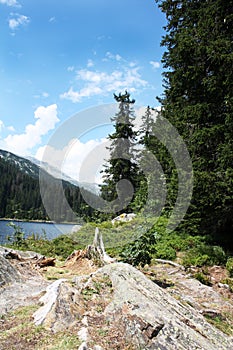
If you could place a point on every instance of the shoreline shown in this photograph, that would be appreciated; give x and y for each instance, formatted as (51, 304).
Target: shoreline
(39, 221)
(25, 220)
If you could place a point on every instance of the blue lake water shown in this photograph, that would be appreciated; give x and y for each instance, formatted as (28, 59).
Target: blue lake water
(38, 228)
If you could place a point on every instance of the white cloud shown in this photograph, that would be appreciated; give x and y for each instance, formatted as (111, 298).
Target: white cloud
(13, 3)
(75, 157)
(96, 82)
(76, 96)
(1, 125)
(70, 69)
(90, 63)
(46, 119)
(155, 64)
(103, 37)
(17, 20)
(41, 95)
(111, 56)
(132, 64)
(11, 128)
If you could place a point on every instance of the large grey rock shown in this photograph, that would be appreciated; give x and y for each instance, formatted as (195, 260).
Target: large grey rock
(10, 253)
(20, 284)
(148, 315)
(20, 294)
(59, 306)
(153, 319)
(8, 273)
(123, 218)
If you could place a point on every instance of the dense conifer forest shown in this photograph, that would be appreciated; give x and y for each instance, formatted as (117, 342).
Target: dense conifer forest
(20, 196)
(198, 103)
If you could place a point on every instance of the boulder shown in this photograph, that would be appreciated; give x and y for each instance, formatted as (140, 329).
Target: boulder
(136, 310)
(153, 319)
(59, 305)
(76, 228)
(123, 218)
(8, 273)
(20, 283)
(10, 253)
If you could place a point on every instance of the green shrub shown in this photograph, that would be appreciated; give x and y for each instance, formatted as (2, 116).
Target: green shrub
(115, 236)
(135, 255)
(228, 281)
(164, 251)
(105, 224)
(204, 255)
(17, 240)
(140, 252)
(201, 277)
(63, 246)
(229, 266)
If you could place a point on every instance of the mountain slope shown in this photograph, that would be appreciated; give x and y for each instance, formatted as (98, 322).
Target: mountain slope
(92, 187)
(23, 164)
(20, 192)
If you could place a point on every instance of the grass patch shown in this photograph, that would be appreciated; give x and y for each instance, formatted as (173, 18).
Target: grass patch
(63, 342)
(54, 273)
(221, 323)
(203, 278)
(229, 282)
(204, 254)
(19, 332)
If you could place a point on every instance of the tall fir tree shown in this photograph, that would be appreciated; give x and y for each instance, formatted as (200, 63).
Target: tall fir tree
(121, 174)
(155, 161)
(147, 126)
(146, 160)
(198, 101)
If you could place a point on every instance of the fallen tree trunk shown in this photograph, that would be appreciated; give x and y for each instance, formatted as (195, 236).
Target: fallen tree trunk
(172, 263)
(43, 262)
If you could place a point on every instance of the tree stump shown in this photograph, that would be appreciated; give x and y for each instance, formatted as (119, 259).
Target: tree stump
(96, 251)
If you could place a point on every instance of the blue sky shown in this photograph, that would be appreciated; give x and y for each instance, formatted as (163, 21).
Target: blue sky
(59, 58)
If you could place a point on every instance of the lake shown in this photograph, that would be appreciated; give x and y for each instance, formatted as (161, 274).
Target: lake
(52, 230)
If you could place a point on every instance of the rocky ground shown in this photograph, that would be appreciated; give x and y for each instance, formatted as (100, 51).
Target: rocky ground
(78, 305)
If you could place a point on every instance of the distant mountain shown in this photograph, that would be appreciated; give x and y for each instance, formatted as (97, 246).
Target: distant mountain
(23, 164)
(92, 187)
(20, 192)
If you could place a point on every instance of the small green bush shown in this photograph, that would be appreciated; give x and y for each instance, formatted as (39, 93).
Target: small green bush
(204, 255)
(228, 281)
(17, 239)
(229, 266)
(63, 246)
(105, 224)
(201, 277)
(164, 251)
(140, 252)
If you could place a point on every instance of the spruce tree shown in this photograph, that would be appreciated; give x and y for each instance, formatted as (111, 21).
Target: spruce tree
(156, 164)
(121, 174)
(146, 128)
(198, 101)
(146, 162)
